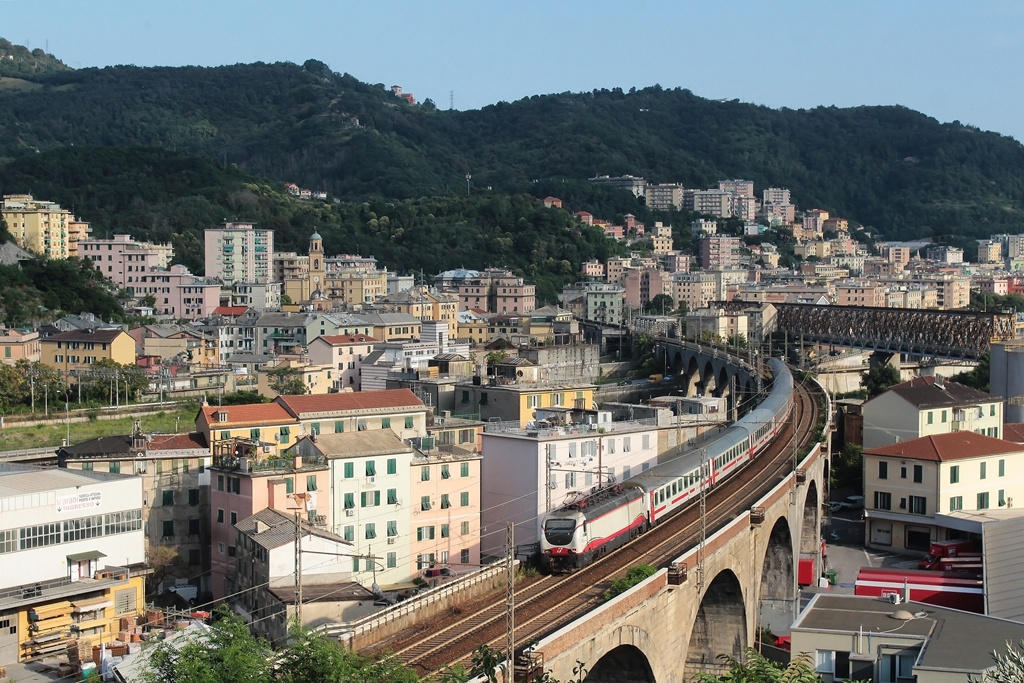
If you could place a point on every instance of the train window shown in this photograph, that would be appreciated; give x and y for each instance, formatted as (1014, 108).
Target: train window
(673, 488)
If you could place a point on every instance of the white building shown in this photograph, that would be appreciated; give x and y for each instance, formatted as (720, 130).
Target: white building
(64, 524)
(528, 471)
(924, 406)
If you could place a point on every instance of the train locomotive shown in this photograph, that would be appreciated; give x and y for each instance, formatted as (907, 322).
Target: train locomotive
(588, 526)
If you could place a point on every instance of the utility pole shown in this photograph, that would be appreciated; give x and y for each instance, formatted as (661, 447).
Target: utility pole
(510, 593)
(298, 568)
(705, 471)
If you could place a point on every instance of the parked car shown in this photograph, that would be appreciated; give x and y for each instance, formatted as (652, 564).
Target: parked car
(625, 382)
(848, 503)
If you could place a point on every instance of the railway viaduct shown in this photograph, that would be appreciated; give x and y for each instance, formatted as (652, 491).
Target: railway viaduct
(714, 598)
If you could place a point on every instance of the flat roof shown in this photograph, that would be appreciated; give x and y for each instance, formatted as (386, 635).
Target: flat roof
(18, 480)
(951, 640)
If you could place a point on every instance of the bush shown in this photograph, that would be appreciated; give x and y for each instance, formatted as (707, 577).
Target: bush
(633, 576)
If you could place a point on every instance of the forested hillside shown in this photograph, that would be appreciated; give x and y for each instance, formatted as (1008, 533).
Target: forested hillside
(166, 196)
(888, 167)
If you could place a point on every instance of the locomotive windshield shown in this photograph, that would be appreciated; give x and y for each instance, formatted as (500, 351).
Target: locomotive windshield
(559, 531)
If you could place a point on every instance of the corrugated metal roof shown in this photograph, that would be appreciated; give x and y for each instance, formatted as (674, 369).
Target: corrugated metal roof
(358, 444)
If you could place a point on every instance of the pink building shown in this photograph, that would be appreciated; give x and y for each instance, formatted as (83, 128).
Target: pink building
(445, 493)
(592, 270)
(643, 284)
(584, 217)
(179, 293)
(122, 260)
(345, 352)
(240, 488)
(19, 344)
(993, 285)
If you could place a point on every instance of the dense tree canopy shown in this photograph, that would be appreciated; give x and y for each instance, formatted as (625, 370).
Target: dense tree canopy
(890, 167)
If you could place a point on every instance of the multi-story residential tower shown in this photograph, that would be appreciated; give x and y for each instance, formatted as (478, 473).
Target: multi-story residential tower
(239, 252)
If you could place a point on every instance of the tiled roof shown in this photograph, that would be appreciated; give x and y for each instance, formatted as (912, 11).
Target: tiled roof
(358, 444)
(932, 392)
(248, 414)
(88, 335)
(338, 339)
(1014, 431)
(232, 311)
(946, 447)
(277, 529)
(176, 442)
(367, 401)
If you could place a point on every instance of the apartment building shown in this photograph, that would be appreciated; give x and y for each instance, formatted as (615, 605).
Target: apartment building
(396, 410)
(642, 285)
(239, 252)
(703, 226)
(178, 293)
(862, 294)
(122, 260)
(664, 196)
(175, 490)
(929, 405)
(38, 226)
(635, 184)
(265, 296)
(592, 270)
(19, 344)
(990, 251)
(814, 224)
(78, 231)
(711, 202)
(719, 251)
(661, 238)
(73, 352)
(345, 353)
(914, 490)
(244, 481)
(694, 289)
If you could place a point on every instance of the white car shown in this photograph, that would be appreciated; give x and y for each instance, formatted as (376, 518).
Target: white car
(848, 503)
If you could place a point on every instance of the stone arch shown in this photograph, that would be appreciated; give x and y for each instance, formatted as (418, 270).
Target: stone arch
(777, 593)
(623, 664)
(719, 628)
(722, 382)
(676, 360)
(692, 376)
(811, 523)
(707, 379)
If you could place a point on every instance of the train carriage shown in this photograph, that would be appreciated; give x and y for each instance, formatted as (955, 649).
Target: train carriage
(577, 533)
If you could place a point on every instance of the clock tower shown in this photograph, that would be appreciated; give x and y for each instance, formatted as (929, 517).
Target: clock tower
(316, 263)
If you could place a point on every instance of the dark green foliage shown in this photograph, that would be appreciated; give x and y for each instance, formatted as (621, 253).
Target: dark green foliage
(60, 286)
(237, 398)
(978, 377)
(756, 668)
(634, 575)
(987, 302)
(889, 167)
(879, 378)
(165, 196)
(847, 468)
(18, 60)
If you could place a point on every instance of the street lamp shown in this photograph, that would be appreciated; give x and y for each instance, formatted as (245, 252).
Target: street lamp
(67, 418)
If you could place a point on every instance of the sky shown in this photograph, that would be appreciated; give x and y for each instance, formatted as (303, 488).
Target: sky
(951, 60)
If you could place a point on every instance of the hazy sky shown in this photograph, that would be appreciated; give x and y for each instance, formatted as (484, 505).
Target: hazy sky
(952, 60)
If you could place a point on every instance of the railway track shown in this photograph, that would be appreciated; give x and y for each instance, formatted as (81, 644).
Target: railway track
(546, 603)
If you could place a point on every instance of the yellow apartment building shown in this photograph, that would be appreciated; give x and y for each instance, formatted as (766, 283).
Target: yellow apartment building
(76, 351)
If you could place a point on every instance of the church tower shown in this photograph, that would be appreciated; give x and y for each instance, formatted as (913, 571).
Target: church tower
(316, 263)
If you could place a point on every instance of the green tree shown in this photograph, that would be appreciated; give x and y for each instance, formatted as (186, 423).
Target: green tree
(879, 378)
(978, 377)
(634, 575)
(228, 654)
(660, 304)
(286, 381)
(847, 469)
(1009, 666)
(756, 668)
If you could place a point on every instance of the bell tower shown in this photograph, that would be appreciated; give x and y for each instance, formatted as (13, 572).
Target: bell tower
(316, 263)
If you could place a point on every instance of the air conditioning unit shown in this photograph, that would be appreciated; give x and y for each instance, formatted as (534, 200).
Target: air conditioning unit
(371, 480)
(268, 449)
(350, 513)
(391, 540)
